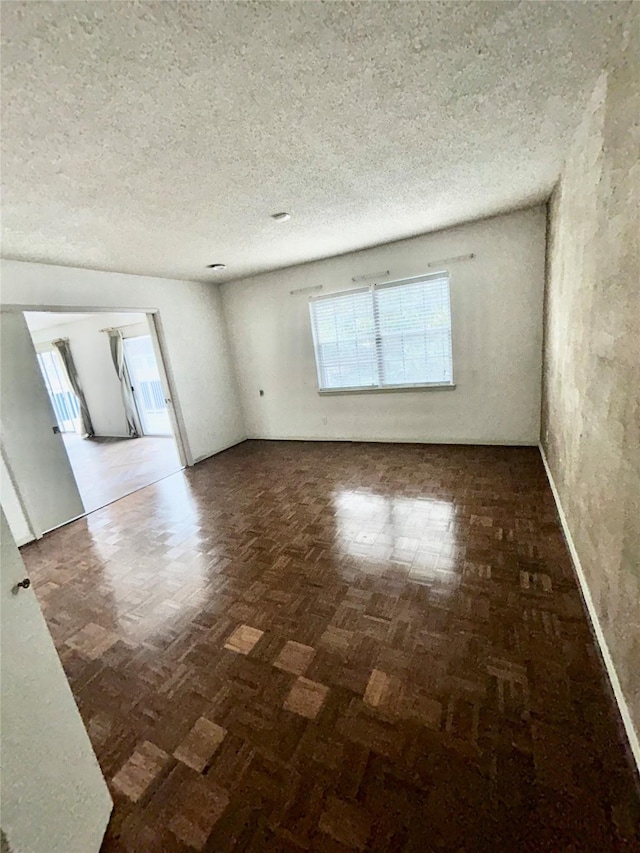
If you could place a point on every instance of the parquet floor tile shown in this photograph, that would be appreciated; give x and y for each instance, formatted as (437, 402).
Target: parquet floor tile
(306, 698)
(338, 647)
(200, 744)
(295, 657)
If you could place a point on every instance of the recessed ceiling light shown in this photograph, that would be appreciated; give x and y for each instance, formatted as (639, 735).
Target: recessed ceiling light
(216, 267)
(281, 217)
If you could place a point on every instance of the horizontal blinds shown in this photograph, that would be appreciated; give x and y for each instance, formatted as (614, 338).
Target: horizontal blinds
(414, 332)
(344, 338)
(384, 336)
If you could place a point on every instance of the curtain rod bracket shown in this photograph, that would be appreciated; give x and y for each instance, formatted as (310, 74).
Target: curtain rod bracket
(468, 257)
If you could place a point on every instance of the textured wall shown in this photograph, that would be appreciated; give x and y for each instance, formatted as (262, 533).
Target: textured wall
(591, 393)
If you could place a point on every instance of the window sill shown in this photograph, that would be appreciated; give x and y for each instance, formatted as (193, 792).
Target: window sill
(434, 386)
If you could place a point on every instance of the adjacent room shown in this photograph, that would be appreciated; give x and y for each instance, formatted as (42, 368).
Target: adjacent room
(105, 388)
(320, 447)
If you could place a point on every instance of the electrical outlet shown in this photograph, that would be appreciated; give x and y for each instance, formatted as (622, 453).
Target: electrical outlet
(324, 421)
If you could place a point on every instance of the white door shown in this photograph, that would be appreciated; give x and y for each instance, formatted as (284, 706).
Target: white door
(147, 385)
(53, 796)
(39, 464)
(11, 506)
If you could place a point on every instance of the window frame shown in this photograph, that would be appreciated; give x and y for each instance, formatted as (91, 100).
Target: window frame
(375, 389)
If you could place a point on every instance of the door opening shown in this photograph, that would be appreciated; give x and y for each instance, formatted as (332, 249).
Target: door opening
(66, 374)
(147, 385)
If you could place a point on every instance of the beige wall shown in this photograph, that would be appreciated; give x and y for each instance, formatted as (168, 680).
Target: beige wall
(591, 386)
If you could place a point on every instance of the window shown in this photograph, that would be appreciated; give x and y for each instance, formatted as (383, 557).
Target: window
(64, 401)
(395, 335)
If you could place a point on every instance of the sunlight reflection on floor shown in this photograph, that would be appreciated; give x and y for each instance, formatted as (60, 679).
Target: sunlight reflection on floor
(417, 533)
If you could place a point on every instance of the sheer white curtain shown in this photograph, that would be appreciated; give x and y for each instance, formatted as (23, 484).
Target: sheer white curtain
(64, 350)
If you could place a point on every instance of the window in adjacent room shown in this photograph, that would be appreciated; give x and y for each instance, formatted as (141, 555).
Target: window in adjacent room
(395, 335)
(65, 403)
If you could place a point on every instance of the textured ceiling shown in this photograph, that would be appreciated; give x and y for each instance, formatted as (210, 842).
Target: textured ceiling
(156, 138)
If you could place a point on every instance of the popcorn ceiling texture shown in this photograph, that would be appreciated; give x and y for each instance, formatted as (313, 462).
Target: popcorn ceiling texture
(157, 138)
(591, 407)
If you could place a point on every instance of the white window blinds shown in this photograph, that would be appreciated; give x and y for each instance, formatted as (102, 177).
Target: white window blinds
(345, 340)
(385, 336)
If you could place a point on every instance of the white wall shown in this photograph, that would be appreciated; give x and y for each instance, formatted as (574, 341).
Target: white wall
(497, 341)
(192, 326)
(92, 357)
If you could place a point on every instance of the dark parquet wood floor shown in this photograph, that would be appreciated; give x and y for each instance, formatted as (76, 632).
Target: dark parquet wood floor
(337, 647)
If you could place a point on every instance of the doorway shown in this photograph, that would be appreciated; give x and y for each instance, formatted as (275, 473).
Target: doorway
(147, 386)
(84, 382)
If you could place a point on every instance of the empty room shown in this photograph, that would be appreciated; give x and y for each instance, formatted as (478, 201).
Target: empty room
(104, 385)
(320, 475)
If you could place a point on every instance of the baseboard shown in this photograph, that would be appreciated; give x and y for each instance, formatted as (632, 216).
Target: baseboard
(477, 442)
(107, 436)
(221, 450)
(146, 435)
(632, 735)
